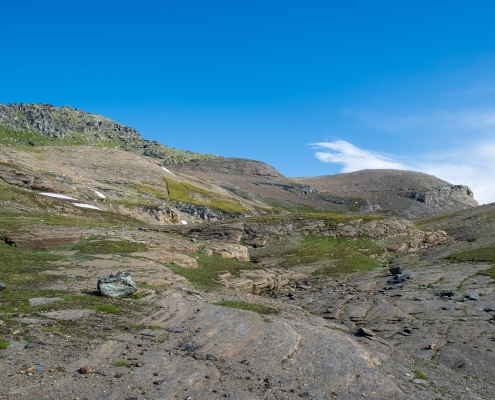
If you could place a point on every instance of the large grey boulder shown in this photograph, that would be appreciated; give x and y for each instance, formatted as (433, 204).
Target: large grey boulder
(119, 285)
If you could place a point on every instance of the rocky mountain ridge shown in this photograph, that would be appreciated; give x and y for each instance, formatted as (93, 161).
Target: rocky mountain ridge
(45, 124)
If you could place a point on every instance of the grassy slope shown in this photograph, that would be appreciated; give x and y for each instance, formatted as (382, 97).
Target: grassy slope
(186, 193)
(483, 254)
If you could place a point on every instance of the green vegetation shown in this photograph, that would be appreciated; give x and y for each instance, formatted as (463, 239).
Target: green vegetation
(336, 255)
(52, 329)
(280, 205)
(331, 219)
(108, 308)
(151, 190)
(3, 344)
(488, 272)
(419, 374)
(120, 363)
(186, 193)
(95, 245)
(486, 254)
(242, 305)
(209, 267)
(24, 273)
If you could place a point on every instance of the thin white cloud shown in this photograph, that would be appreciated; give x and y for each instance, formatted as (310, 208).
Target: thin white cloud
(440, 122)
(353, 158)
(473, 166)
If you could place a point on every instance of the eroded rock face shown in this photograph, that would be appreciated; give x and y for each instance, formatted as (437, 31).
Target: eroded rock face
(234, 251)
(41, 241)
(31, 180)
(257, 234)
(163, 214)
(119, 285)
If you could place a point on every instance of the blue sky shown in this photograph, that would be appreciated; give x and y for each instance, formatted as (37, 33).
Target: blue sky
(310, 87)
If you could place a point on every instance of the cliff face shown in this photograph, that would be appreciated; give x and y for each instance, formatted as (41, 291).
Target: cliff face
(460, 193)
(59, 122)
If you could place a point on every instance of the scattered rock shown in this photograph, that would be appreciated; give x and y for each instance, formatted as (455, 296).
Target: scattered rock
(119, 285)
(474, 297)
(2, 286)
(68, 315)
(26, 369)
(432, 346)
(395, 270)
(43, 300)
(87, 369)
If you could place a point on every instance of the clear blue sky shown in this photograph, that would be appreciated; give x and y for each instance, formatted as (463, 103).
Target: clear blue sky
(378, 83)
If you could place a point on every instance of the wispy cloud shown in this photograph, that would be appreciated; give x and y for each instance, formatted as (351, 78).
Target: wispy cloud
(353, 158)
(440, 122)
(473, 166)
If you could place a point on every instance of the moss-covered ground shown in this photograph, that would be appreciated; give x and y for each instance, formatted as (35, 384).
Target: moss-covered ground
(209, 267)
(481, 254)
(186, 193)
(333, 255)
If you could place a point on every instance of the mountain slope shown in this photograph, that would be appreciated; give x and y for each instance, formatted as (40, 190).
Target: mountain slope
(404, 193)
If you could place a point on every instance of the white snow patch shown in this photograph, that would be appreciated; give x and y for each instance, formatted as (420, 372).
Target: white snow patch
(166, 170)
(99, 194)
(86, 206)
(183, 222)
(56, 195)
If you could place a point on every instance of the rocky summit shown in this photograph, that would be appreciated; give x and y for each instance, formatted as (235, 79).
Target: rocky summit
(130, 270)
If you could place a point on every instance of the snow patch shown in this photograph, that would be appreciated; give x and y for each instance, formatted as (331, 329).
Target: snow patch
(57, 196)
(86, 206)
(166, 170)
(101, 195)
(183, 222)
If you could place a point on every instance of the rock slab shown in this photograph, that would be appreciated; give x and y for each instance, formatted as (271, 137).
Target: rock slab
(119, 285)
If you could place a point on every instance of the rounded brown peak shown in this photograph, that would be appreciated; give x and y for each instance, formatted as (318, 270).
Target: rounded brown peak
(236, 166)
(376, 179)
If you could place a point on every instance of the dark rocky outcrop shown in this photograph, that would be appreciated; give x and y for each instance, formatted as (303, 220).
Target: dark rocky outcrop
(58, 122)
(119, 285)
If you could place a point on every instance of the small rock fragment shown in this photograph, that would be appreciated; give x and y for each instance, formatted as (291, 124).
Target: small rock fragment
(2, 286)
(432, 346)
(365, 332)
(87, 369)
(27, 369)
